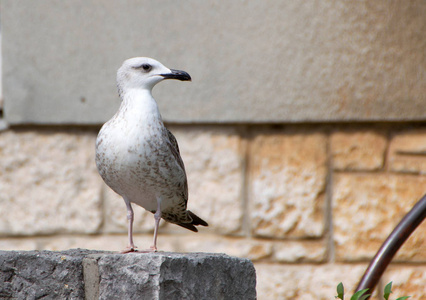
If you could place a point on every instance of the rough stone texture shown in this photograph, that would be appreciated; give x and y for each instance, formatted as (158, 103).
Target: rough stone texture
(305, 282)
(80, 274)
(358, 150)
(42, 275)
(407, 152)
(287, 172)
(48, 183)
(308, 251)
(307, 61)
(175, 276)
(213, 158)
(406, 281)
(367, 207)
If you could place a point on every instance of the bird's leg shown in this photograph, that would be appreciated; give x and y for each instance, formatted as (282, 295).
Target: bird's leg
(157, 217)
(131, 247)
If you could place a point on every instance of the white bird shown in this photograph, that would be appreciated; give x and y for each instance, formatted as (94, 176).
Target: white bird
(138, 157)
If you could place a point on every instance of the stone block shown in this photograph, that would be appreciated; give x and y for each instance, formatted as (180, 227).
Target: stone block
(358, 150)
(287, 172)
(48, 182)
(407, 152)
(408, 280)
(86, 274)
(172, 276)
(317, 282)
(300, 251)
(42, 275)
(307, 61)
(367, 207)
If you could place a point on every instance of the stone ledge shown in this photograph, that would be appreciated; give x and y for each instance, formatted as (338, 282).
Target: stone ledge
(88, 274)
(39, 274)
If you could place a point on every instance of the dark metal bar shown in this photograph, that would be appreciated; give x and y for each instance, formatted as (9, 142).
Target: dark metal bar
(392, 244)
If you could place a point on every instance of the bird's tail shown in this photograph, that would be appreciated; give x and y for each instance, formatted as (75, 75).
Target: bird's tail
(196, 220)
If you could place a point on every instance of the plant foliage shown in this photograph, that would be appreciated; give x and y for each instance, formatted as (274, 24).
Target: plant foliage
(361, 295)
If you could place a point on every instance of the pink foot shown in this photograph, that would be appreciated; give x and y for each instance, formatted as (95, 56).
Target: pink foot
(150, 250)
(129, 249)
(133, 249)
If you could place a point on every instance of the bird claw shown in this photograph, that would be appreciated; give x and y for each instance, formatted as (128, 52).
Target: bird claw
(133, 249)
(128, 250)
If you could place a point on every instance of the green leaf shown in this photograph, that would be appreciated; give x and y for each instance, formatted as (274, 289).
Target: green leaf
(388, 290)
(403, 298)
(358, 294)
(365, 297)
(340, 291)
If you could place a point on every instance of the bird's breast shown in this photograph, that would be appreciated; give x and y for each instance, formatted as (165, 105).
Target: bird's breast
(136, 160)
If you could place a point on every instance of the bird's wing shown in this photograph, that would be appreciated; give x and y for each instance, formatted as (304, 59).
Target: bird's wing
(174, 143)
(174, 147)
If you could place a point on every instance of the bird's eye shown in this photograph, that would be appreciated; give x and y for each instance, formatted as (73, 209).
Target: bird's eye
(146, 67)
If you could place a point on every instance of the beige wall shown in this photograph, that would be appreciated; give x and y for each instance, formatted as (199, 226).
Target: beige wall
(310, 205)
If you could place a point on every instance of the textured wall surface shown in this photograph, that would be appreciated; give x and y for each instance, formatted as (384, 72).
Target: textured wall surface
(310, 205)
(251, 61)
(90, 275)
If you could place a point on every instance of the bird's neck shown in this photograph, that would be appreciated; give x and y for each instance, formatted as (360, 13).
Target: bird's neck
(139, 103)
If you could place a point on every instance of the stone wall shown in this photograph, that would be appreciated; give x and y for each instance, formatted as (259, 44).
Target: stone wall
(92, 275)
(309, 204)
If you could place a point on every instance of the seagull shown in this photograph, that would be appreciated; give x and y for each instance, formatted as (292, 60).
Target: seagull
(138, 157)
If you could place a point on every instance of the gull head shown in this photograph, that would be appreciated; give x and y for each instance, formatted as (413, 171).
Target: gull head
(145, 73)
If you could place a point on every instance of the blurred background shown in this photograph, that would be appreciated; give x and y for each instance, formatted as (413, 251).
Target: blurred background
(303, 131)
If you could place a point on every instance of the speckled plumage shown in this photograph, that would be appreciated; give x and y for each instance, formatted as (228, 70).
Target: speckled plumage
(137, 156)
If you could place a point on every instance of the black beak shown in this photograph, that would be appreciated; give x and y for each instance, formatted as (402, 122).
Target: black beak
(177, 74)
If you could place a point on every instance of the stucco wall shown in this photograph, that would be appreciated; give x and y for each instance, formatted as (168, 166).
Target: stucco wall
(251, 61)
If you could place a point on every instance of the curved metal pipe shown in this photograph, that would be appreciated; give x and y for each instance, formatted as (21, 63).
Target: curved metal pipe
(392, 244)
